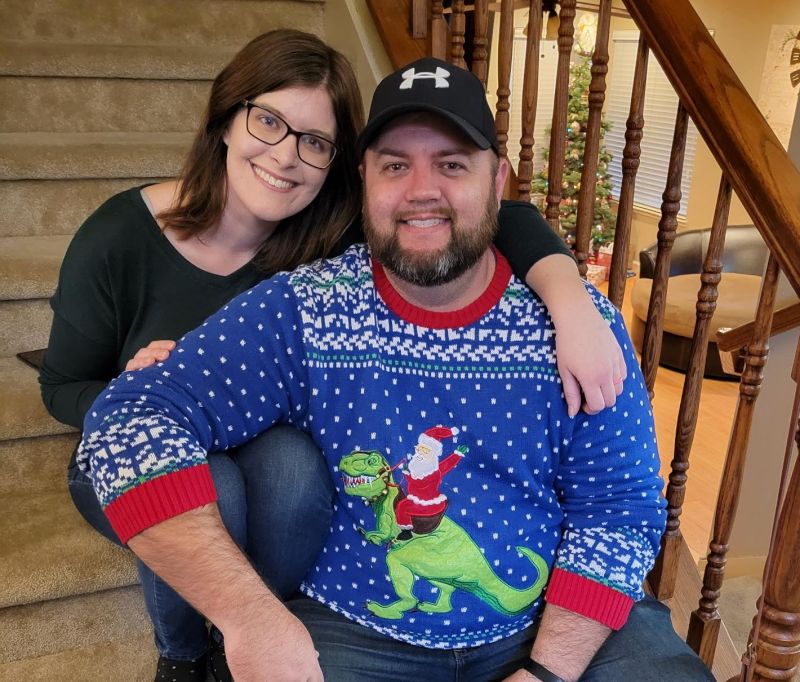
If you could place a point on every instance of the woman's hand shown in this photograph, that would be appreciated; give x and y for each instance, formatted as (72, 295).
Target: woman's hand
(588, 355)
(590, 362)
(153, 352)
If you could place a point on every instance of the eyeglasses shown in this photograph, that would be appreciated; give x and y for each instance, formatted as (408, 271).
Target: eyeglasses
(270, 128)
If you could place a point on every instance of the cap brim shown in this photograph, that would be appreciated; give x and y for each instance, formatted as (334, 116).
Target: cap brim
(374, 127)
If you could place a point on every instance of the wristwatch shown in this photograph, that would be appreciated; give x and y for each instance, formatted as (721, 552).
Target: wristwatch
(536, 668)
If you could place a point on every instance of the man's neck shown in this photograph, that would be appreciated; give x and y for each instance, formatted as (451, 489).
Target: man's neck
(454, 295)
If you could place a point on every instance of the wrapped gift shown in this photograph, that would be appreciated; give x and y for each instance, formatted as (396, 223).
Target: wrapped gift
(604, 256)
(596, 274)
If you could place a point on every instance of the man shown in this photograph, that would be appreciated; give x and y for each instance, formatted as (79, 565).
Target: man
(426, 329)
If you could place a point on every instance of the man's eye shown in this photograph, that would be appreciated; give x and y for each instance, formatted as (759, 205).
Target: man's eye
(453, 165)
(394, 167)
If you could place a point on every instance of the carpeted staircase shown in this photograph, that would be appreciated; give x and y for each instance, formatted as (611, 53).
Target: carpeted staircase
(97, 96)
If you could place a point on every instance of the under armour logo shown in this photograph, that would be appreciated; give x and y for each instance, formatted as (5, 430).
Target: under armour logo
(440, 77)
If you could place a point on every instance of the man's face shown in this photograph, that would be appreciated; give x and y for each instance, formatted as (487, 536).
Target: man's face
(430, 199)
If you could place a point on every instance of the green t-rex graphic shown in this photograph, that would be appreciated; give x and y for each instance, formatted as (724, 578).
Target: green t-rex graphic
(447, 556)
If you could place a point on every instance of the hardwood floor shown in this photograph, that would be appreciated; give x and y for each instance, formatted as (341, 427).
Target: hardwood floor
(717, 407)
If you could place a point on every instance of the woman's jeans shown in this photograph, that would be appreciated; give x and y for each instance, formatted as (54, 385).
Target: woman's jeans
(275, 497)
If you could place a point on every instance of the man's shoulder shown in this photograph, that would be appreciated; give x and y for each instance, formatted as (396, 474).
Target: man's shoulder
(344, 274)
(322, 280)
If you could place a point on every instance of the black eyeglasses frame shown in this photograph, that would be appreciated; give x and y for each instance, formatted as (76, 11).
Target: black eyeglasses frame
(249, 105)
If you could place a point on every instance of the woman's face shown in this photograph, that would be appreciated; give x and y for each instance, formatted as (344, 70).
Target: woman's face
(267, 183)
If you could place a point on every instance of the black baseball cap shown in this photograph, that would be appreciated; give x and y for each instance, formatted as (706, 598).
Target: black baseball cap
(432, 85)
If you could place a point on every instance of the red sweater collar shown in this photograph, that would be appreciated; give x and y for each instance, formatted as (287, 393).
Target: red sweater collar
(453, 318)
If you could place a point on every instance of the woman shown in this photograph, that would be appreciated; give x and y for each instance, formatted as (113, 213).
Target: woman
(271, 182)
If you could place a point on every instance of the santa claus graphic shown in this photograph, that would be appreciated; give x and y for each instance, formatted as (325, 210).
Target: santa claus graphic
(423, 474)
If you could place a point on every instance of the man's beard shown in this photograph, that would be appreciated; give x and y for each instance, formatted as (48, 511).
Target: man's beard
(432, 268)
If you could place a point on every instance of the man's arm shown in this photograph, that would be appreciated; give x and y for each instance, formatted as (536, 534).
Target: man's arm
(194, 554)
(565, 644)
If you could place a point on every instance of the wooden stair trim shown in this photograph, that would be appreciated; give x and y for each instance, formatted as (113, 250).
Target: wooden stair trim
(393, 21)
(688, 583)
(784, 319)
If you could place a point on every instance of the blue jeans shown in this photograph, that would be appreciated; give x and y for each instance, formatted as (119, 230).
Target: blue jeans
(275, 497)
(645, 650)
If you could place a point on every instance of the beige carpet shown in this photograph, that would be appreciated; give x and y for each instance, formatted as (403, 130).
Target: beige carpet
(737, 606)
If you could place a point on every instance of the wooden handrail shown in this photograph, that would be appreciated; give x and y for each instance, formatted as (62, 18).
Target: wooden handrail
(741, 140)
(785, 319)
(393, 21)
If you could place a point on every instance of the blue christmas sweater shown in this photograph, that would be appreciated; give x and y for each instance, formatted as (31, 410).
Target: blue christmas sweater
(464, 489)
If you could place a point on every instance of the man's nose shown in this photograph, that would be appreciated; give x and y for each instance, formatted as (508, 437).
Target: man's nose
(422, 185)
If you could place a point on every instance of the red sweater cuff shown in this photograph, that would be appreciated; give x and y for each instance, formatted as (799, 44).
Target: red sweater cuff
(588, 598)
(160, 499)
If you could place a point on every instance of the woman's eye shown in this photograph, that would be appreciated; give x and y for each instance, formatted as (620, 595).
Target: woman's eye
(313, 142)
(268, 121)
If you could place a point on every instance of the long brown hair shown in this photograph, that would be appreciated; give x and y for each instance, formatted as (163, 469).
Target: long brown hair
(278, 59)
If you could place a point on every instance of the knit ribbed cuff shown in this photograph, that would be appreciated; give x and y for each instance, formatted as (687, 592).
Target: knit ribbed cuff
(160, 499)
(588, 598)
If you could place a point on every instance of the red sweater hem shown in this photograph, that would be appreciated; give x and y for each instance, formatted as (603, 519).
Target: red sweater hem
(160, 499)
(588, 598)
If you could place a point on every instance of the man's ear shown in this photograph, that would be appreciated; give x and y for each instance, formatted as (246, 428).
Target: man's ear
(361, 170)
(500, 178)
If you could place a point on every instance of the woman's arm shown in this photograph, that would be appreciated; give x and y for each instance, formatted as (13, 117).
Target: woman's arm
(590, 360)
(75, 371)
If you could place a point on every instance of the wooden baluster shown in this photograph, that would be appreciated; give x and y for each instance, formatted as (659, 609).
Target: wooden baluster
(558, 134)
(704, 622)
(778, 647)
(630, 166)
(437, 32)
(651, 346)
(530, 95)
(480, 43)
(662, 578)
(505, 54)
(458, 23)
(584, 221)
(419, 18)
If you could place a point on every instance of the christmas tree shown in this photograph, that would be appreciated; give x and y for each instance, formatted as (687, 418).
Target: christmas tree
(577, 119)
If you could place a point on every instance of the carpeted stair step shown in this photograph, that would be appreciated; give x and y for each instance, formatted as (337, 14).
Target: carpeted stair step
(27, 156)
(35, 465)
(50, 552)
(154, 22)
(80, 105)
(55, 207)
(76, 60)
(22, 414)
(24, 325)
(28, 275)
(29, 266)
(59, 625)
(131, 660)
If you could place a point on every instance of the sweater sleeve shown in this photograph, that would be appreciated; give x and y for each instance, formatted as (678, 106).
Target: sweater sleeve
(75, 371)
(524, 237)
(146, 438)
(81, 357)
(610, 492)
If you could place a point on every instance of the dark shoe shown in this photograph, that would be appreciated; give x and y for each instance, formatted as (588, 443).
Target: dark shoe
(217, 663)
(170, 670)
